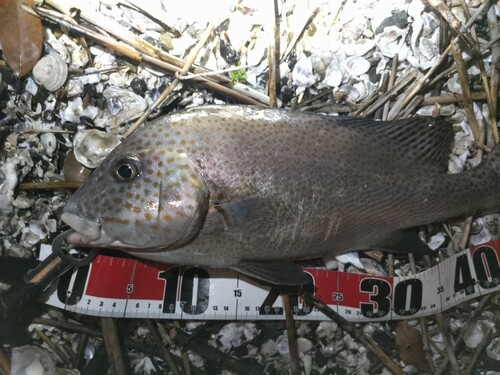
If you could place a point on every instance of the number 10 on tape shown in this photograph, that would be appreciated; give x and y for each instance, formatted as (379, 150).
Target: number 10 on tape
(123, 287)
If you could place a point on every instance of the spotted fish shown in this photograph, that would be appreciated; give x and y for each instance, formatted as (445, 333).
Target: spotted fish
(257, 189)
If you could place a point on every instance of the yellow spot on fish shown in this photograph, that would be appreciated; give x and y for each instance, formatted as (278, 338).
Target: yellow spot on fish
(158, 143)
(129, 195)
(156, 194)
(116, 220)
(147, 144)
(149, 171)
(183, 142)
(138, 185)
(148, 216)
(159, 174)
(170, 160)
(128, 205)
(171, 142)
(150, 204)
(167, 218)
(160, 164)
(147, 192)
(147, 180)
(137, 196)
(156, 184)
(136, 209)
(117, 200)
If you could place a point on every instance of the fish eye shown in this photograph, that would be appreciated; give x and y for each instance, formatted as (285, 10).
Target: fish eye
(126, 170)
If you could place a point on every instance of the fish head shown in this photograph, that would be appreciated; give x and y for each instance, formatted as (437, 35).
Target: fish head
(139, 199)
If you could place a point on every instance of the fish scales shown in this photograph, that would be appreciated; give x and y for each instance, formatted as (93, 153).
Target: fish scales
(248, 188)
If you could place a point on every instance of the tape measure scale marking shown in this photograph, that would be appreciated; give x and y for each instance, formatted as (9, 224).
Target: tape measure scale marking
(123, 287)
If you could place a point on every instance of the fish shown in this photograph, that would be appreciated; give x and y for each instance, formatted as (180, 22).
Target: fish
(257, 190)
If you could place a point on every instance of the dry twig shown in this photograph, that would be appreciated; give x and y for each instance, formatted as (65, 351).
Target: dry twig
(53, 346)
(164, 95)
(114, 351)
(161, 347)
(355, 332)
(293, 347)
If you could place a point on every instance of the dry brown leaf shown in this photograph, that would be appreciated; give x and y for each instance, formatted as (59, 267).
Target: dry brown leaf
(21, 35)
(409, 342)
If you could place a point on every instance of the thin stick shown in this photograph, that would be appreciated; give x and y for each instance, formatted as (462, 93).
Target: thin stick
(191, 76)
(80, 352)
(423, 323)
(453, 98)
(355, 332)
(448, 344)
(241, 93)
(464, 84)
(293, 347)
(465, 233)
(446, 13)
(185, 363)
(298, 33)
(405, 80)
(53, 346)
(418, 84)
(114, 351)
(475, 358)
(50, 185)
(273, 57)
(472, 319)
(164, 95)
(161, 347)
(4, 363)
(494, 78)
(390, 84)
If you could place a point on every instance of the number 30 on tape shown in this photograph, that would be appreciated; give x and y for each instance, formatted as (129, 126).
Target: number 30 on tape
(122, 287)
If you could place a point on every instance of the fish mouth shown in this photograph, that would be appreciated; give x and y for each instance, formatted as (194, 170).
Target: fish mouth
(86, 232)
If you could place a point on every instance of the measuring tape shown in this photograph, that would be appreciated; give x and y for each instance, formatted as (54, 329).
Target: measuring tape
(130, 288)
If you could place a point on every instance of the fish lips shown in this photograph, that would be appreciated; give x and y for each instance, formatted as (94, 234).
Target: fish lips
(86, 232)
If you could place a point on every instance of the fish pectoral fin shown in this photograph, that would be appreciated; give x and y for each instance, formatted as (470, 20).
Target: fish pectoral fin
(404, 241)
(240, 214)
(274, 272)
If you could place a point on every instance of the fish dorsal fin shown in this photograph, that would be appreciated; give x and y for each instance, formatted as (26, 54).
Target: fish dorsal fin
(425, 139)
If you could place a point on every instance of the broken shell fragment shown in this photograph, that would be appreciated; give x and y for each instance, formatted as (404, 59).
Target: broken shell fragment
(91, 146)
(356, 65)
(51, 72)
(49, 143)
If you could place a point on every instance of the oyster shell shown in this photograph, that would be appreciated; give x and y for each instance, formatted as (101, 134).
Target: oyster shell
(51, 72)
(91, 146)
(122, 106)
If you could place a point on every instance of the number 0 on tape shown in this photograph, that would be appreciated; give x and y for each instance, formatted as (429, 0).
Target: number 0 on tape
(122, 287)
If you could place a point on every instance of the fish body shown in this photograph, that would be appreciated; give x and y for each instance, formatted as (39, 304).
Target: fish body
(249, 189)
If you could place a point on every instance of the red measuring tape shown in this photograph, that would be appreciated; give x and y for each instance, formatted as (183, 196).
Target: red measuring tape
(122, 287)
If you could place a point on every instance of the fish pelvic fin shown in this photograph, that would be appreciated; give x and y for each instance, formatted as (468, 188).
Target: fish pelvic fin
(281, 273)
(404, 241)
